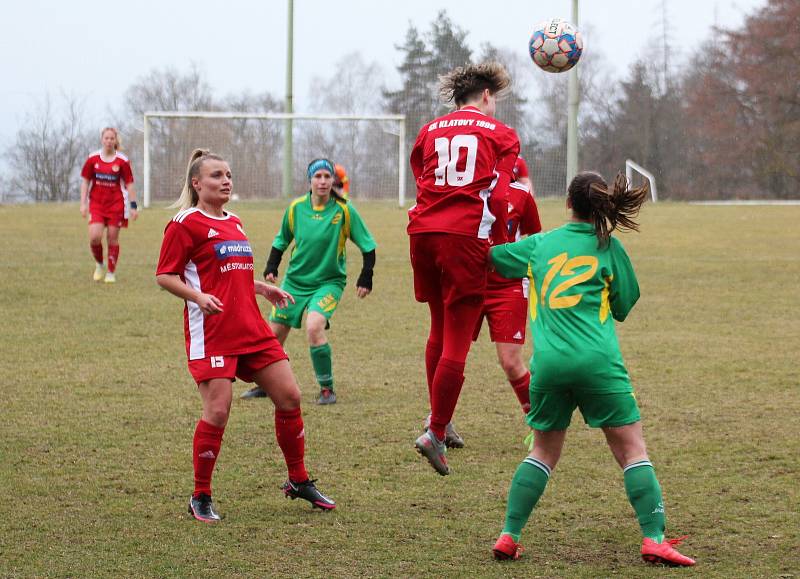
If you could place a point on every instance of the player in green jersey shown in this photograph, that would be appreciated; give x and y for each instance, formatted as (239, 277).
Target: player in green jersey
(319, 223)
(581, 278)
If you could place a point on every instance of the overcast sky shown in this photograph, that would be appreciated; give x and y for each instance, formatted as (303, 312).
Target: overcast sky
(97, 49)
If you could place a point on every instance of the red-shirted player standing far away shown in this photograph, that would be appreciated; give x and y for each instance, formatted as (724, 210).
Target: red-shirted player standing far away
(206, 260)
(463, 165)
(108, 198)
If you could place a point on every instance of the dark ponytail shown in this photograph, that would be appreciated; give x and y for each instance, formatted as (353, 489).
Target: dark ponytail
(607, 210)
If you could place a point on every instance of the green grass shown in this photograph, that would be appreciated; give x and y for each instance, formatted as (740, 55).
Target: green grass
(98, 411)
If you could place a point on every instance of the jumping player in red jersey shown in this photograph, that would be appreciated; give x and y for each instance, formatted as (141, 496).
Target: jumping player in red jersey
(505, 307)
(463, 165)
(108, 198)
(207, 261)
(521, 173)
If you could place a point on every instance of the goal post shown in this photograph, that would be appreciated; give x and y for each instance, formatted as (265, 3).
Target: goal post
(370, 147)
(631, 166)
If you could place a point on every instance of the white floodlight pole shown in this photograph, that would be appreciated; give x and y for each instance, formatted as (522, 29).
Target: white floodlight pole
(572, 116)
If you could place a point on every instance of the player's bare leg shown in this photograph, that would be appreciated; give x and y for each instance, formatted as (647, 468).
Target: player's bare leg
(511, 360)
(281, 332)
(644, 493)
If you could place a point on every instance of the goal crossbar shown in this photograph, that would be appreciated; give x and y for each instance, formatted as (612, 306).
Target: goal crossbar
(399, 119)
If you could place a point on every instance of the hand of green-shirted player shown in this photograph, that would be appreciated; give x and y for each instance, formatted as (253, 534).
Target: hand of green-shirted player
(273, 261)
(364, 283)
(278, 297)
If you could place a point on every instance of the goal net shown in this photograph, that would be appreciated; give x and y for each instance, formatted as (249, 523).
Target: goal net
(371, 148)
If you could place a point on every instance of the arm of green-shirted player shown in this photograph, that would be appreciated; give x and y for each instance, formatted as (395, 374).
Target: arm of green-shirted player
(282, 240)
(511, 259)
(360, 235)
(624, 288)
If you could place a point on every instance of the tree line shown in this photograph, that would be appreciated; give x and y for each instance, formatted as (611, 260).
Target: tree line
(726, 124)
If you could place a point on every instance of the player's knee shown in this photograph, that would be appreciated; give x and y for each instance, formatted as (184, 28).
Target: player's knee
(287, 398)
(512, 365)
(316, 334)
(218, 415)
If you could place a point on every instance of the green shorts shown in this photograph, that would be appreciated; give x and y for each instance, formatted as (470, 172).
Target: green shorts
(600, 388)
(324, 300)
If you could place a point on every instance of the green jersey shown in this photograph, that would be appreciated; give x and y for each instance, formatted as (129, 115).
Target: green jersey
(576, 288)
(319, 235)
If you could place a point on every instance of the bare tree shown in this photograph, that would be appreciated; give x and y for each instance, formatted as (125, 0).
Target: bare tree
(365, 148)
(172, 140)
(45, 158)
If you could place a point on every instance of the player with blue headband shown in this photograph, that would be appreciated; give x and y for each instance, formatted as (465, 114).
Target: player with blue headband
(319, 223)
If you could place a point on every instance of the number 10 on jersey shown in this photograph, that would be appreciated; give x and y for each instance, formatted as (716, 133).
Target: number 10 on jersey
(449, 151)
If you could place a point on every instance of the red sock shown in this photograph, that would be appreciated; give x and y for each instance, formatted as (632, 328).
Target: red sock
(433, 351)
(97, 252)
(292, 440)
(521, 388)
(113, 255)
(446, 388)
(205, 450)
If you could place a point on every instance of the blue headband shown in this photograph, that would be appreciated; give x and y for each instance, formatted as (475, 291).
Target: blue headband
(318, 164)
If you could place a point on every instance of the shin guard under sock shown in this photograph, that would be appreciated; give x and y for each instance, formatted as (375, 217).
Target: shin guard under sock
(527, 486)
(205, 450)
(292, 439)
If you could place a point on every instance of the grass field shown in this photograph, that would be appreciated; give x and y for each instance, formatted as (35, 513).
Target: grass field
(98, 412)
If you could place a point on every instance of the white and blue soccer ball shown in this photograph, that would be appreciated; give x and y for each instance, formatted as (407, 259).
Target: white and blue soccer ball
(556, 45)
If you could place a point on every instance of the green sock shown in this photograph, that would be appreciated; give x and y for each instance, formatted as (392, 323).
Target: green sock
(323, 365)
(526, 488)
(644, 494)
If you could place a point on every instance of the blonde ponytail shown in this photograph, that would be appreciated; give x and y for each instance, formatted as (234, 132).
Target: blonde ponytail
(189, 196)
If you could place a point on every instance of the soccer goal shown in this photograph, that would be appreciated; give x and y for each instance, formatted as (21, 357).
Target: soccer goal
(631, 166)
(371, 148)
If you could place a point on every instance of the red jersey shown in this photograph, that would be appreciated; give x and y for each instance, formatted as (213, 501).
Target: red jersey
(520, 169)
(107, 181)
(462, 163)
(212, 255)
(523, 219)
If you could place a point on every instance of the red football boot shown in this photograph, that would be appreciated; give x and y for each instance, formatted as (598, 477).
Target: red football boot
(506, 549)
(664, 553)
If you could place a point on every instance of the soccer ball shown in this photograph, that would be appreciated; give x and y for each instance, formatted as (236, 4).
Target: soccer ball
(556, 45)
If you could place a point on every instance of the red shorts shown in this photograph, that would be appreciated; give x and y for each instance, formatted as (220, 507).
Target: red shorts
(241, 366)
(107, 218)
(448, 267)
(507, 315)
